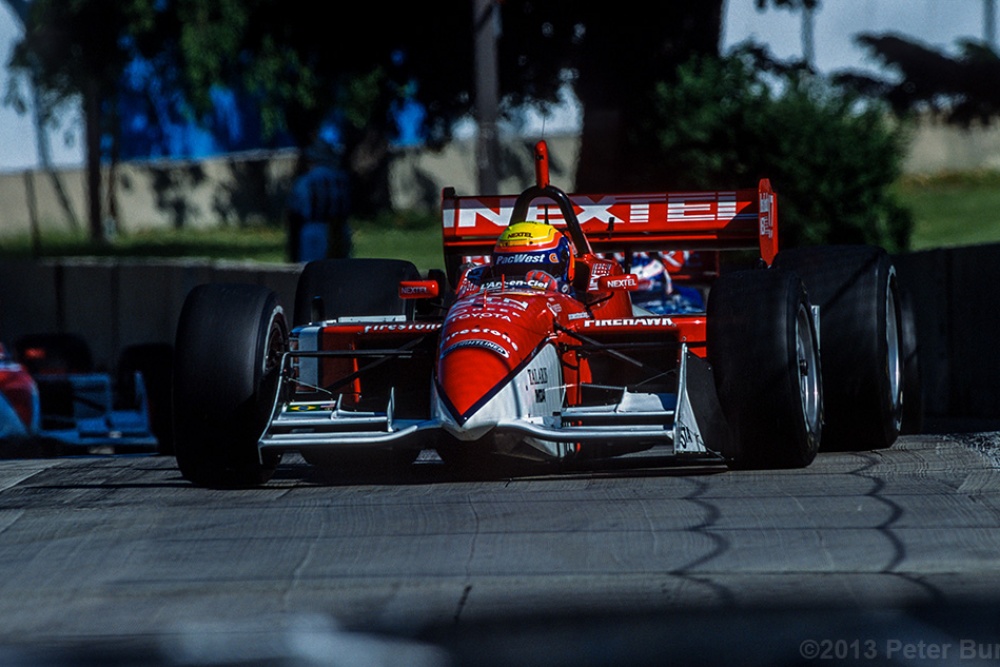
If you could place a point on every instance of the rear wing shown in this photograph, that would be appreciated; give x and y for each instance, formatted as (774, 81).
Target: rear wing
(721, 220)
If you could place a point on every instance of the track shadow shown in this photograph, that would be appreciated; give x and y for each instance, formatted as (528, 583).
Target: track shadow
(430, 469)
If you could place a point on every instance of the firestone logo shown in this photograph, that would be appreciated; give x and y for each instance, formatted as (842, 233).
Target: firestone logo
(478, 343)
(401, 327)
(481, 331)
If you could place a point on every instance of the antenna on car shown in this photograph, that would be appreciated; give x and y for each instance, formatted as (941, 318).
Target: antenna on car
(542, 164)
(542, 171)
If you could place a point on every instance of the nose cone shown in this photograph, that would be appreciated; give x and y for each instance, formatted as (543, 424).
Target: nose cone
(468, 377)
(484, 342)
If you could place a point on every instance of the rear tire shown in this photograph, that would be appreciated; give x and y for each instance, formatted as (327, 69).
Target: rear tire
(227, 355)
(762, 345)
(913, 391)
(356, 287)
(861, 338)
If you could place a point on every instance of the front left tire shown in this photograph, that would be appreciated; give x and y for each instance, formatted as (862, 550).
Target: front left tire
(764, 351)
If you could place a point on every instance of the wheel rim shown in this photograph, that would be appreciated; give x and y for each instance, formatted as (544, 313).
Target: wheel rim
(808, 363)
(893, 362)
(275, 347)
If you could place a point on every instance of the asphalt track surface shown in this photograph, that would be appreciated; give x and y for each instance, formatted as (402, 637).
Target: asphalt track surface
(118, 560)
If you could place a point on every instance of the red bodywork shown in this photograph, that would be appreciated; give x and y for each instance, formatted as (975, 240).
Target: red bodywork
(19, 389)
(557, 364)
(706, 222)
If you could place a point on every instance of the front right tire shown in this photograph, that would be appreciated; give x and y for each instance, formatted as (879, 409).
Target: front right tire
(227, 355)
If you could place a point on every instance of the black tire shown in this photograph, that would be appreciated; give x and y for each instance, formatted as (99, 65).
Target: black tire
(860, 338)
(353, 287)
(226, 361)
(913, 391)
(358, 287)
(763, 348)
(154, 362)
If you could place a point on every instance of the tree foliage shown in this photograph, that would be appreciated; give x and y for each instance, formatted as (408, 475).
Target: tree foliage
(300, 67)
(76, 49)
(725, 123)
(645, 121)
(961, 88)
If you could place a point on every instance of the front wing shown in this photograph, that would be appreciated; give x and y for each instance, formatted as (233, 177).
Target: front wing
(688, 423)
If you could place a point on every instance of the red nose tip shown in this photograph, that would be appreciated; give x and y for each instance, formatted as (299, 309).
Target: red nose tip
(468, 377)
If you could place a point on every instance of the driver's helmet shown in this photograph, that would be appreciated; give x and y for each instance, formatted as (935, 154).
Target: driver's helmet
(533, 252)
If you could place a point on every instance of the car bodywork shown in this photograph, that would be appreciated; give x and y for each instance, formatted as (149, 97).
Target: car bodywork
(498, 357)
(529, 373)
(77, 409)
(20, 409)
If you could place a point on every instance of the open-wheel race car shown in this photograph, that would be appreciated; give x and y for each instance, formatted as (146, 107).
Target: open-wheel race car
(529, 345)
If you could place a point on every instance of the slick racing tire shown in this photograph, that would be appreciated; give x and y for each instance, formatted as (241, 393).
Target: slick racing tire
(913, 393)
(763, 348)
(331, 288)
(227, 354)
(860, 338)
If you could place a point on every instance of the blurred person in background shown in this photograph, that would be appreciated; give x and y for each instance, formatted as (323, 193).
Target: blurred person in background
(318, 207)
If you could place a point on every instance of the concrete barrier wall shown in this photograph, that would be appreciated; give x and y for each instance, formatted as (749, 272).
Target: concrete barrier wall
(253, 187)
(249, 188)
(958, 324)
(114, 304)
(243, 189)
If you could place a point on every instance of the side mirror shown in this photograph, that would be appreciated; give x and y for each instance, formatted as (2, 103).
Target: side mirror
(419, 289)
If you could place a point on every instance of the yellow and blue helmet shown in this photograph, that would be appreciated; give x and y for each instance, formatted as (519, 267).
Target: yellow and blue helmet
(524, 247)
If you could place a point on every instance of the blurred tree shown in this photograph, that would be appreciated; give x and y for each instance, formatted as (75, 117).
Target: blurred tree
(74, 50)
(962, 89)
(725, 123)
(33, 98)
(298, 65)
(613, 55)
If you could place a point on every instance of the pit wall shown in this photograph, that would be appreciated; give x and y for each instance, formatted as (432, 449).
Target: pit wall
(114, 304)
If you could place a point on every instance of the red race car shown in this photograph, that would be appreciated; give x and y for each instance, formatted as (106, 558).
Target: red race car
(20, 411)
(529, 346)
